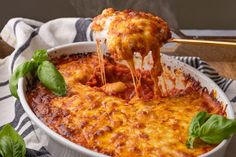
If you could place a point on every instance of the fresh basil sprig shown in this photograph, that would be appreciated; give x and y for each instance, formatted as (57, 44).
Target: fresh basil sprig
(11, 144)
(46, 72)
(209, 128)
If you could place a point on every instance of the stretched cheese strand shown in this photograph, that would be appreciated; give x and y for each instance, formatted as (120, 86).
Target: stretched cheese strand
(100, 37)
(156, 72)
(101, 61)
(134, 76)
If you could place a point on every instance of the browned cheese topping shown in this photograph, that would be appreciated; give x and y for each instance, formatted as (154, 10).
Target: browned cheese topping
(110, 120)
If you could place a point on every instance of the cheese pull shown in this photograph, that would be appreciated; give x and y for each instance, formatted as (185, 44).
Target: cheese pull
(130, 36)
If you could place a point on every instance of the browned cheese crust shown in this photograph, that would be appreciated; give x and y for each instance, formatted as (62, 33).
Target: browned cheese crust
(108, 119)
(131, 31)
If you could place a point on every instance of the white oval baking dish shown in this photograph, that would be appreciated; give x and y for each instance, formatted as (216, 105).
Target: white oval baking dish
(70, 149)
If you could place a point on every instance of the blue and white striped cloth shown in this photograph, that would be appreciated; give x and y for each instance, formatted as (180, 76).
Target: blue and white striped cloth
(27, 35)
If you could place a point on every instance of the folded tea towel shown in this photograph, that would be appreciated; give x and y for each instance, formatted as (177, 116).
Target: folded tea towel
(27, 35)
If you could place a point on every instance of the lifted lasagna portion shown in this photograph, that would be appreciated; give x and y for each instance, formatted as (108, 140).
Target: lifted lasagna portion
(128, 32)
(110, 120)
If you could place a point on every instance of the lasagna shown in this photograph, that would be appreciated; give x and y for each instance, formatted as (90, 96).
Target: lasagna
(128, 32)
(110, 119)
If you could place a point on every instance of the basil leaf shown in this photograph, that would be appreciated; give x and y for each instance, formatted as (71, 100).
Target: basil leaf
(46, 72)
(216, 129)
(195, 126)
(40, 56)
(11, 144)
(51, 78)
(197, 122)
(209, 128)
(21, 71)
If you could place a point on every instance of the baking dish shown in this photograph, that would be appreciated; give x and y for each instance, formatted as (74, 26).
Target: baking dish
(73, 149)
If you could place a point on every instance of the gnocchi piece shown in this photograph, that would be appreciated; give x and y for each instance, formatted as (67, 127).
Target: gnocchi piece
(112, 88)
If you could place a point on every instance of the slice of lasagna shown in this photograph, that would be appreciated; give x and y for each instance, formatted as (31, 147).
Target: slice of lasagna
(128, 32)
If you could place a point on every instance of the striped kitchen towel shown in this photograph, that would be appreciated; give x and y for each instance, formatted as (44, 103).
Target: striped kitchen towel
(27, 35)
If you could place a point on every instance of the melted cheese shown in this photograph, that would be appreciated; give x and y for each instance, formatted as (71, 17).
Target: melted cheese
(103, 122)
(127, 32)
(100, 52)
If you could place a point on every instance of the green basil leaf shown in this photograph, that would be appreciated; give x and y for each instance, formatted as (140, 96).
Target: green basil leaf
(21, 71)
(51, 78)
(209, 128)
(11, 144)
(195, 126)
(216, 129)
(197, 122)
(40, 56)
